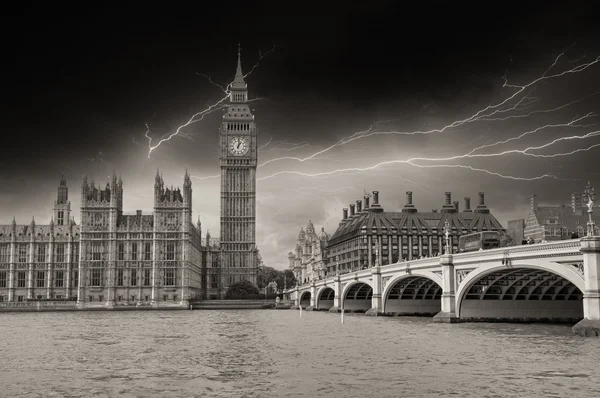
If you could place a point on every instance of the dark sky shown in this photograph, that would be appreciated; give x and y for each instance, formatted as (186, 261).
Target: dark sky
(75, 86)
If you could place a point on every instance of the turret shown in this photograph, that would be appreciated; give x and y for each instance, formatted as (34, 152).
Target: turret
(62, 206)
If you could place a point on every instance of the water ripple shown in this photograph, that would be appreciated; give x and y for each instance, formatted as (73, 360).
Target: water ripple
(278, 354)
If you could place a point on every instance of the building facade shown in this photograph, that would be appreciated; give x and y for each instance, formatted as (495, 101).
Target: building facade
(238, 157)
(548, 223)
(112, 259)
(368, 236)
(309, 261)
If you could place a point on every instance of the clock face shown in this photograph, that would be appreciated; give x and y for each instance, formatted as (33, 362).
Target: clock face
(238, 146)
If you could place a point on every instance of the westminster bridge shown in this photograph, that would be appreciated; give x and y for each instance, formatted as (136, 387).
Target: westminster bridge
(555, 281)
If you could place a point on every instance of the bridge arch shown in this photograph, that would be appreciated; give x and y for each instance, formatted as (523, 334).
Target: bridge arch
(325, 297)
(304, 301)
(357, 296)
(417, 293)
(534, 290)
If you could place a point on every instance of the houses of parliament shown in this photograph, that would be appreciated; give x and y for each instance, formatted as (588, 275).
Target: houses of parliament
(111, 259)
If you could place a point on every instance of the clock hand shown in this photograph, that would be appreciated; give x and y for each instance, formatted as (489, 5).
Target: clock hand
(238, 145)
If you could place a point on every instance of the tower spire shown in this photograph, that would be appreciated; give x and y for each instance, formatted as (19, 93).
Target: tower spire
(239, 89)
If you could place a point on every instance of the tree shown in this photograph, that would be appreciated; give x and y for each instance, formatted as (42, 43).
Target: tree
(243, 290)
(265, 275)
(285, 279)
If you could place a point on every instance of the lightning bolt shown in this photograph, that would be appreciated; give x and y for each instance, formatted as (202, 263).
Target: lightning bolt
(199, 116)
(483, 114)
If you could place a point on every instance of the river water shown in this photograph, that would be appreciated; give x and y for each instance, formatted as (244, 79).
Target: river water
(277, 353)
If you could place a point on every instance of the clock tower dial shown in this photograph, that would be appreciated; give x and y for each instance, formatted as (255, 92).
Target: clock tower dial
(238, 155)
(238, 146)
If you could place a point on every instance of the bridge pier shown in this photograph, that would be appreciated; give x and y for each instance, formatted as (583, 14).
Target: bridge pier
(590, 324)
(337, 299)
(313, 297)
(448, 312)
(376, 304)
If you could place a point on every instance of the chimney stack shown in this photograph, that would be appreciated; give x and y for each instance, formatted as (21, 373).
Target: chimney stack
(345, 211)
(408, 207)
(351, 210)
(366, 201)
(467, 204)
(375, 198)
(456, 206)
(481, 208)
(358, 206)
(448, 207)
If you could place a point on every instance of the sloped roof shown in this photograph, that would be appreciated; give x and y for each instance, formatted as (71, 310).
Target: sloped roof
(565, 216)
(403, 223)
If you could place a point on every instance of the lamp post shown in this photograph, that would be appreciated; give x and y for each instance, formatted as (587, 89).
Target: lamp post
(591, 195)
(447, 233)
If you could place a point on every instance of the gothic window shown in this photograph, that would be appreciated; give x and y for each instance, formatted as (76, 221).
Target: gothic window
(41, 254)
(59, 279)
(75, 254)
(170, 251)
(4, 253)
(61, 215)
(98, 219)
(170, 277)
(133, 277)
(96, 277)
(120, 277)
(147, 277)
(60, 253)
(121, 251)
(2, 278)
(41, 278)
(21, 279)
(148, 251)
(75, 278)
(22, 253)
(97, 251)
(134, 251)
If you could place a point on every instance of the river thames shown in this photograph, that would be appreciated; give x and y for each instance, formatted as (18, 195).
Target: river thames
(277, 353)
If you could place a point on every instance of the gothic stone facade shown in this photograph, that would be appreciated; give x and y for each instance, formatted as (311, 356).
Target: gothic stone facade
(309, 262)
(111, 259)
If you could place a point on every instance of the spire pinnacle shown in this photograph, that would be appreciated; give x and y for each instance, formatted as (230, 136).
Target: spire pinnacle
(238, 82)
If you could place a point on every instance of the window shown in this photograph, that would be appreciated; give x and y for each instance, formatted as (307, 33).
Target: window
(120, 277)
(60, 253)
(169, 277)
(147, 277)
(148, 251)
(22, 253)
(61, 217)
(97, 251)
(96, 277)
(4, 253)
(134, 251)
(20, 298)
(2, 278)
(75, 278)
(134, 277)
(41, 278)
(121, 251)
(171, 251)
(41, 254)
(21, 279)
(58, 279)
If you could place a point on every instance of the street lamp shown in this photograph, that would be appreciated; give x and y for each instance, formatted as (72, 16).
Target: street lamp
(591, 195)
(447, 233)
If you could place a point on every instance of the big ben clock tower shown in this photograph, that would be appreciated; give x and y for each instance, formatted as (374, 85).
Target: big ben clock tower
(238, 157)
